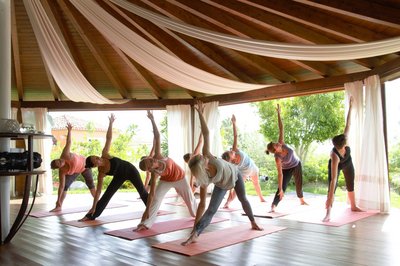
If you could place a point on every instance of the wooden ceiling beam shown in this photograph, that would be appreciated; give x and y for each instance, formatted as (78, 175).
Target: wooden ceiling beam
(317, 19)
(141, 72)
(192, 16)
(306, 87)
(283, 26)
(78, 21)
(361, 9)
(15, 53)
(274, 92)
(145, 26)
(210, 51)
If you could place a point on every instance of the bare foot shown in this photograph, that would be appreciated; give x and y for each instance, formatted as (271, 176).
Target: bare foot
(87, 217)
(262, 200)
(255, 226)
(226, 206)
(356, 209)
(327, 218)
(140, 227)
(193, 238)
(56, 209)
(302, 202)
(84, 219)
(272, 208)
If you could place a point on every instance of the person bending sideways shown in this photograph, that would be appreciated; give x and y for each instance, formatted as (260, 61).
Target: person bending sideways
(287, 165)
(224, 175)
(340, 160)
(70, 166)
(171, 176)
(246, 166)
(119, 169)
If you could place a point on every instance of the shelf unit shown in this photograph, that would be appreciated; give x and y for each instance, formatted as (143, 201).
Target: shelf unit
(28, 173)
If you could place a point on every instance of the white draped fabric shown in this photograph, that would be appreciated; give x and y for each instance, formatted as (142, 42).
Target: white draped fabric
(38, 118)
(154, 59)
(58, 59)
(372, 188)
(332, 52)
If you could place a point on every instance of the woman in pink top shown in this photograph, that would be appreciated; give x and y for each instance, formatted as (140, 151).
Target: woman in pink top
(171, 176)
(70, 166)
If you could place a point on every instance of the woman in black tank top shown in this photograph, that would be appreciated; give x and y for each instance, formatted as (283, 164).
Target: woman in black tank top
(120, 170)
(340, 160)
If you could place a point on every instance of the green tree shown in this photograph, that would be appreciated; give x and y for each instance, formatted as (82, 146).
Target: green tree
(164, 135)
(394, 159)
(227, 134)
(306, 119)
(122, 145)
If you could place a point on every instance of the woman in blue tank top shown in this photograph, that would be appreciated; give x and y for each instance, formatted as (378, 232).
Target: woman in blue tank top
(287, 164)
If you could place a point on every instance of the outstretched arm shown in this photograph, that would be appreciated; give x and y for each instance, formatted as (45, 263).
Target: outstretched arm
(334, 175)
(234, 145)
(151, 154)
(199, 145)
(204, 129)
(157, 138)
(66, 153)
(107, 145)
(348, 120)
(280, 125)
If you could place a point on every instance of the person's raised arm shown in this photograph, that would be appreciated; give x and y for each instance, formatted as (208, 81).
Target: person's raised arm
(234, 145)
(280, 125)
(66, 153)
(348, 120)
(198, 146)
(107, 145)
(204, 129)
(151, 154)
(156, 133)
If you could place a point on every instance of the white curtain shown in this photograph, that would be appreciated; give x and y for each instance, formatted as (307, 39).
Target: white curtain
(38, 118)
(271, 49)
(356, 90)
(372, 188)
(58, 59)
(179, 132)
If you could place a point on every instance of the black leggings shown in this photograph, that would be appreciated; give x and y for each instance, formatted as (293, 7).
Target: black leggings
(348, 172)
(297, 172)
(126, 172)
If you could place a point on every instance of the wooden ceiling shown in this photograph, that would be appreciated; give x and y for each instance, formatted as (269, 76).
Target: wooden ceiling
(116, 76)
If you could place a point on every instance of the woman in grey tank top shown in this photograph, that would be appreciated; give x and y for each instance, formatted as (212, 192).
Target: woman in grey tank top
(287, 164)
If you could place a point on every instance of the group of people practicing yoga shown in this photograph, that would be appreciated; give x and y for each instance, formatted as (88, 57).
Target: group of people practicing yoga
(227, 173)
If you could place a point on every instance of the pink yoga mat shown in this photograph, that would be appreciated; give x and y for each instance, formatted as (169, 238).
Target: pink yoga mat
(228, 209)
(284, 208)
(40, 214)
(177, 203)
(159, 228)
(217, 239)
(339, 216)
(112, 219)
